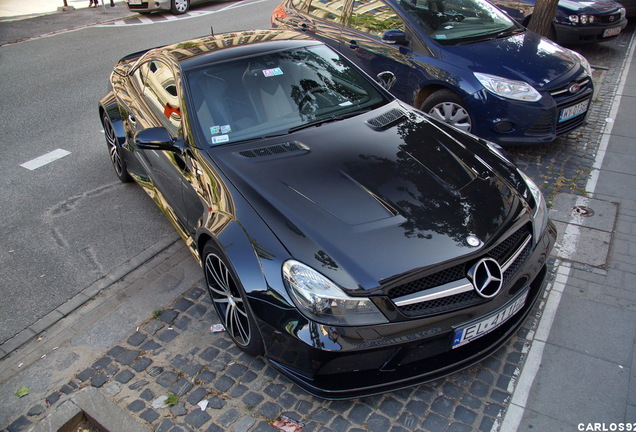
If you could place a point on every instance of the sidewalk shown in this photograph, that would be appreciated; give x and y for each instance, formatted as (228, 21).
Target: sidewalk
(580, 373)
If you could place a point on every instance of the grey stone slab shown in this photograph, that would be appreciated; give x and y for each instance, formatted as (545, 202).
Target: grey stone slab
(619, 185)
(577, 388)
(624, 121)
(583, 245)
(535, 421)
(595, 329)
(584, 211)
(622, 163)
(622, 144)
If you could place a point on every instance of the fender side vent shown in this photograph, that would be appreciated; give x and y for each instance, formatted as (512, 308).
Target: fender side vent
(274, 150)
(387, 119)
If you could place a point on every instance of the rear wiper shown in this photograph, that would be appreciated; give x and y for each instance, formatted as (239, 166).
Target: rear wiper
(324, 120)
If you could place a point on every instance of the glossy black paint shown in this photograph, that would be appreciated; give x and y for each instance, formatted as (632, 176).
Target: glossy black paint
(374, 202)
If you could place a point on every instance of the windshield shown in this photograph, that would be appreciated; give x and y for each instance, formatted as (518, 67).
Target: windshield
(276, 93)
(457, 21)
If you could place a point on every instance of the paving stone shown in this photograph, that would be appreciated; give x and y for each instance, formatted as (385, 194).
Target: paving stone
(197, 311)
(136, 339)
(465, 415)
(378, 423)
(206, 376)
(167, 336)
(115, 351)
(149, 415)
(209, 354)
(178, 410)
(182, 323)
(391, 407)
(443, 406)
(126, 357)
(136, 406)
(359, 413)
(167, 379)
(197, 396)
(236, 370)
(85, 374)
(168, 316)
(147, 395)
(102, 363)
(339, 423)
(150, 345)
(408, 420)
(141, 364)
(435, 422)
(179, 361)
(138, 384)
(182, 304)
(98, 380)
(229, 417)
(181, 387)
(322, 415)
(270, 410)
(20, 424)
(266, 427)
(111, 369)
(224, 383)
(216, 402)
(166, 425)
(153, 327)
(192, 368)
(253, 399)
(274, 390)
(237, 391)
(36, 410)
(124, 376)
(459, 427)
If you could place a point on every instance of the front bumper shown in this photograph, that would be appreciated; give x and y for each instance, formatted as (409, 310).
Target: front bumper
(591, 33)
(349, 362)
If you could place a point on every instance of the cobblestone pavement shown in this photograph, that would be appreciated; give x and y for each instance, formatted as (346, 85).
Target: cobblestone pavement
(175, 353)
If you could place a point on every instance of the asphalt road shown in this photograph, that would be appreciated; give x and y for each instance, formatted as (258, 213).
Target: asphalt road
(70, 224)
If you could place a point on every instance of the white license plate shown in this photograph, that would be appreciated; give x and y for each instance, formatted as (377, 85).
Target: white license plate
(611, 31)
(477, 329)
(573, 111)
(134, 2)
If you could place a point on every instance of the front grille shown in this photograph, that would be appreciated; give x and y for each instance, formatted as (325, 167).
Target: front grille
(502, 252)
(138, 6)
(609, 19)
(543, 126)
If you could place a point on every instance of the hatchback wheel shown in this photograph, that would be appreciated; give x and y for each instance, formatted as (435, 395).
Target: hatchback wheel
(115, 151)
(446, 106)
(180, 6)
(230, 302)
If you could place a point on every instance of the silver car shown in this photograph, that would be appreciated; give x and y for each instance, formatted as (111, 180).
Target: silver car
(177, 7)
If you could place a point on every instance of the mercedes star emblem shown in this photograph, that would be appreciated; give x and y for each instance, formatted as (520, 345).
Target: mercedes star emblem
(486, 277)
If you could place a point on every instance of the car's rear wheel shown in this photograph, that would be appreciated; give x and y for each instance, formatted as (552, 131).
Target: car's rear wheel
(180, 6)
(115, 151)
(230, 301)
(447, 106)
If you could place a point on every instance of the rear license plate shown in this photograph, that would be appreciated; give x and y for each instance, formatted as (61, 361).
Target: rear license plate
(573, 111)
(483, 326)
(611, 31)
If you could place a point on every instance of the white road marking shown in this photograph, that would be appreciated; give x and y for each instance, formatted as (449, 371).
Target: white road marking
(514, 413)
(45, 159)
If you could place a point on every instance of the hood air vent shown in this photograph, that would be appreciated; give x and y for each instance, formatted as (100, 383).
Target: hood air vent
(387, 119)
(274, 150)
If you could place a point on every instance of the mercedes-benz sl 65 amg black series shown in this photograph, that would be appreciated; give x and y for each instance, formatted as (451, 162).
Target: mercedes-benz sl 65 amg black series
(356, 243)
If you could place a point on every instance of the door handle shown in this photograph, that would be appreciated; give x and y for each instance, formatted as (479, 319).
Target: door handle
(132, 119)
(353, 44)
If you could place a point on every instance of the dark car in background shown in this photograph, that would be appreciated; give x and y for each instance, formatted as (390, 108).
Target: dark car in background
(464, 62)
(358, 244)
(575, 21)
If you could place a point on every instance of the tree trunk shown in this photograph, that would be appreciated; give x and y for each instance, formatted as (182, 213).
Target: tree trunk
(542, 17)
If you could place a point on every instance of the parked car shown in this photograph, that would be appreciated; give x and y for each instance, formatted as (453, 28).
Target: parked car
(576, 21)
(177, 7)
(358, 244)
(462, 61)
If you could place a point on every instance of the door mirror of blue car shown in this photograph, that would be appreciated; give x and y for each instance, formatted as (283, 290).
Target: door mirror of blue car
(395, 37)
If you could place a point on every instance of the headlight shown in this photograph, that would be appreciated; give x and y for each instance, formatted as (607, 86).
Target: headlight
(322, 301)
(540, 209)
(507, 88)
(584, 62)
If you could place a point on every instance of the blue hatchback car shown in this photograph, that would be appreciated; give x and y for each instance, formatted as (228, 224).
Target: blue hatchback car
(462, 61)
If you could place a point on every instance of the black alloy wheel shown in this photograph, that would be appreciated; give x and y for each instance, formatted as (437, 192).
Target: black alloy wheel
(115, 151)
(230, 302)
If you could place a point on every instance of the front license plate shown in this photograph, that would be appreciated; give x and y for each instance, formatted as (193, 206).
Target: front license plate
(611, 31)
(573, 111)
(134, 2)
(477, 329)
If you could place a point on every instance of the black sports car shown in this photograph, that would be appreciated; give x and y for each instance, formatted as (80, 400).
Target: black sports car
(356, 243)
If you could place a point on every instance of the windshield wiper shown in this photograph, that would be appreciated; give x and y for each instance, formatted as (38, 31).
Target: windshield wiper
(324, 120)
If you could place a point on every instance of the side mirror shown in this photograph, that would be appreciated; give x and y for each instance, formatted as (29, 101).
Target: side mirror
(386, 79)
(157, 138)
(395, 37)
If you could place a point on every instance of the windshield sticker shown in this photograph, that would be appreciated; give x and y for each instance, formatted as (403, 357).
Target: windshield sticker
(220, 139)
(218, 129)
(272, 72)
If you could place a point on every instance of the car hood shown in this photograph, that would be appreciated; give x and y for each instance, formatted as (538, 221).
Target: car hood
(589, 7)
(524, 56)
(365, 204)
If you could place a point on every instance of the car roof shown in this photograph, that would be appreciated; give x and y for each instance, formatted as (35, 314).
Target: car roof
(224, 46)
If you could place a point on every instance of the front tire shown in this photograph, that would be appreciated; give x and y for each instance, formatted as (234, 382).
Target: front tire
(114, 150)
(180, 6)
(230, 301)
(447, 107)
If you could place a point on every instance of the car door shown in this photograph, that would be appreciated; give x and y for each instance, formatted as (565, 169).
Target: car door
(322, 19)
(167, 169)
(362, 42)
